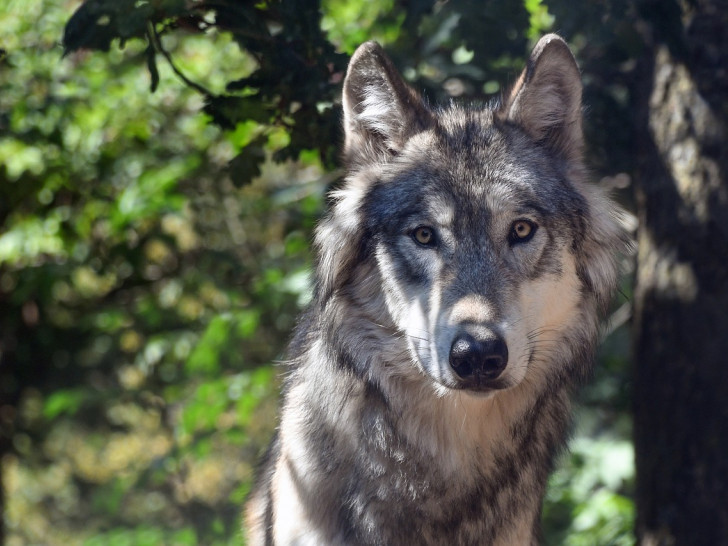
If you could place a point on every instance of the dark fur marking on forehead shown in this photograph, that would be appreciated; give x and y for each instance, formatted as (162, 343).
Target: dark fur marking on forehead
(388, 205)
(464, 129)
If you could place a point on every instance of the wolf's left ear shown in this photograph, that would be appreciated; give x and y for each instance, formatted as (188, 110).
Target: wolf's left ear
(546, 100)
(380, 110)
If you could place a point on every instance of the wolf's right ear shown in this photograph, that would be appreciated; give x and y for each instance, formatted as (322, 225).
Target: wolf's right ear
(380, 111)
(546, 100)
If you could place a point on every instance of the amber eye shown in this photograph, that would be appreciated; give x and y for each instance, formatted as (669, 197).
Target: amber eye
(522, 231)
(424, 236)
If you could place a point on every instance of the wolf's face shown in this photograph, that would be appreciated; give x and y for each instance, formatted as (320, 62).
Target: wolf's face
(474, 248)
(473, 227)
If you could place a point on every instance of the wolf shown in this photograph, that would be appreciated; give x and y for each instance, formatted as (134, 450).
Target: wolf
(461, 273)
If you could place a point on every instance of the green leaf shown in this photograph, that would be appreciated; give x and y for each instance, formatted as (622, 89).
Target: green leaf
(63, 402)
(228, 110)
(209, 401)
(185, 537)
(88, 28)
(206, 354)
(246, 166)
(96, 23)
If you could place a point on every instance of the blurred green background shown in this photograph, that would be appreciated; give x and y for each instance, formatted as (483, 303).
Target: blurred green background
(154, 246)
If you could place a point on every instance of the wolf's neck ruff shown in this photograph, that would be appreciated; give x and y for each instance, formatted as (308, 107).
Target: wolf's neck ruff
(461, 270)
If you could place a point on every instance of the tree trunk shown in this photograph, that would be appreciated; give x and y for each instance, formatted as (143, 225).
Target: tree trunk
(681, 293)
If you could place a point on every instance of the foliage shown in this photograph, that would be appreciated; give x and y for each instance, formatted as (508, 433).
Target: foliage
(160, 178)
(141, 290)
(587, 502)
(294, 77)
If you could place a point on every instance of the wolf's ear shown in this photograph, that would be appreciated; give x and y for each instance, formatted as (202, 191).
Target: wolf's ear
(546, 100)
(380, 111)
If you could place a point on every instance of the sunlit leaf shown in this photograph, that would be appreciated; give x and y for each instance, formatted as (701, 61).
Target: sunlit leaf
(63, 402)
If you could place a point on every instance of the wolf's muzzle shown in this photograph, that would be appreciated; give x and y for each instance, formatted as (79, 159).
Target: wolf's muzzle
(478, 363)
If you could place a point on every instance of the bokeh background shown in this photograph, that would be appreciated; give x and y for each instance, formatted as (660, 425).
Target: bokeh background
(162, 166)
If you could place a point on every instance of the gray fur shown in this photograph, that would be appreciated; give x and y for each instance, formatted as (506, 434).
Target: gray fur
(385, 438)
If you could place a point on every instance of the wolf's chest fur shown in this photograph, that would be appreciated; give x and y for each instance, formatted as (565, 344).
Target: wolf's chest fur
(448, 478)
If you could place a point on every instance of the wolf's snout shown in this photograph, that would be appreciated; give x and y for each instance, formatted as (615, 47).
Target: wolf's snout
(477, 360)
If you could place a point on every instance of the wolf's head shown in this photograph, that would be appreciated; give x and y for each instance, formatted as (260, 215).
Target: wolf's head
(470, 233)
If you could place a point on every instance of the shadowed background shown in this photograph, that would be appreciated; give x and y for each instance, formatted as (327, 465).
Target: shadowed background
(162, 165)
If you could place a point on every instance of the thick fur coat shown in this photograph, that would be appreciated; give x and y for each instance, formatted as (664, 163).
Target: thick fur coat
(460, 275)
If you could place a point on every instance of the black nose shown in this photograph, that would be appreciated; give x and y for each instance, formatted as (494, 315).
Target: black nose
(471, 358)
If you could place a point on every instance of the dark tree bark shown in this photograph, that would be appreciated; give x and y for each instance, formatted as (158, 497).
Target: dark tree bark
(681, 294)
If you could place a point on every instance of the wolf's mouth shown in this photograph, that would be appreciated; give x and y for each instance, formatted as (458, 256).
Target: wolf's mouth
(482, 385)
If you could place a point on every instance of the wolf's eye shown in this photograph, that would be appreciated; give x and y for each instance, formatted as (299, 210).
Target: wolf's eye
(522, 231)
(424, 236)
